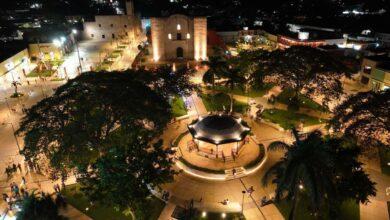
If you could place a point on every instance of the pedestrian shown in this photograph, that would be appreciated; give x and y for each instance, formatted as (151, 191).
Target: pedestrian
(20, 167)
(14, 168)
(23, 183)
(5, 197)
(28, 82)
(7, 171)
(56, 188)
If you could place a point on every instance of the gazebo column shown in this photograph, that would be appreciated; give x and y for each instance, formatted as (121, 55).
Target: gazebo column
(217, 150)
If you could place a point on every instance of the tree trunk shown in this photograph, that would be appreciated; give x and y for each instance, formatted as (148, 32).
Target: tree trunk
(292, 211)
(231, 101)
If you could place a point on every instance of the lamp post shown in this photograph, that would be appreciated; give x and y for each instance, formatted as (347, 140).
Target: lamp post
(242, 204)
(74, 31)
(13, 131)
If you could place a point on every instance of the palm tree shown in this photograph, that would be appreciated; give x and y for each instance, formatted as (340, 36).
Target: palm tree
(319, 169)
(39, 208)
(233, 79)
(15, 84)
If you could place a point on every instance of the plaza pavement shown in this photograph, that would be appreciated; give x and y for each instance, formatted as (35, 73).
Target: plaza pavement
(208, 195)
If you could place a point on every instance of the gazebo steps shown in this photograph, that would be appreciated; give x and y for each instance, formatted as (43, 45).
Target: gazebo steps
(239, 172)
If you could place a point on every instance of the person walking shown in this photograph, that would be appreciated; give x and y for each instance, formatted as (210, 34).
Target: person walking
(20, 167)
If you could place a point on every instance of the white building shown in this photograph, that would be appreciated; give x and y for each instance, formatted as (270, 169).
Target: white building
(112, 27)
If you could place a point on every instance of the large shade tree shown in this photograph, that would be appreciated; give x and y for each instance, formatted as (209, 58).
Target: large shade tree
(365, 116)
(104, 127)
(217, 65)
(35, 207)
(307, 70)
(323, 170)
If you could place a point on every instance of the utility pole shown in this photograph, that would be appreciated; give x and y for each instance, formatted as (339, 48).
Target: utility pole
(74, 31)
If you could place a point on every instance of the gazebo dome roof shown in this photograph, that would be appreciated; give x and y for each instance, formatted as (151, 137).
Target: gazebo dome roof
(219, 129)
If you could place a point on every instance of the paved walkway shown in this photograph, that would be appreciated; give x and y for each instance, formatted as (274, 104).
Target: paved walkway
(377, 207)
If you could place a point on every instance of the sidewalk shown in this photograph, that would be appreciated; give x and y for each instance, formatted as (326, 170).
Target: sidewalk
(377, 207)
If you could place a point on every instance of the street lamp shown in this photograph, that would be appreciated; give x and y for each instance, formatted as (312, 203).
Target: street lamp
(242, 204)
(74, 31)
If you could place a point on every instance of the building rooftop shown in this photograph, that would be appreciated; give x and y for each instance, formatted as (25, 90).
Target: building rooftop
(10, 48)
(219, 129)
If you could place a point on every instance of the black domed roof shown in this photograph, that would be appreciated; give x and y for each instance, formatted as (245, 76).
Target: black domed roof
(219, 129)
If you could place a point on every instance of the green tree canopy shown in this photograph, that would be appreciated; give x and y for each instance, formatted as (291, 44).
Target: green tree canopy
(124, 176)
(307, 70)
(72, 127)
(324, 170)
(365, 116)
(104, 127)
(38, 208)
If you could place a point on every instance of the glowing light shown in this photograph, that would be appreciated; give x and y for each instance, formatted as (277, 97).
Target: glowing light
(178, 27)
(300, 186)
(170, 36)
(62, 39)
(204, 214)
(57, 43)
(216, 177)
(223, 215)
(74, 31)
(188, 35)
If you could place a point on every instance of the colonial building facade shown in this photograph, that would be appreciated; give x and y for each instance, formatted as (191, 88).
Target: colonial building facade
(179, 37)
(112, 27)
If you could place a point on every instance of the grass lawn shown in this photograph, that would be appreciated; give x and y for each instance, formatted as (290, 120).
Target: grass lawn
(305, 102)
(349, 210)
(253, 92)
(384, 155)
(178, 106)
(43, 73)
(99, 212)
(288, 119)
(217, 102)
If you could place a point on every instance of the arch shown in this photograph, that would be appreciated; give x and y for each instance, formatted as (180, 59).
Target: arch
(179, 52)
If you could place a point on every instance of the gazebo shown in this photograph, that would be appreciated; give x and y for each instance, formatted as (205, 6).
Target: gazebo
(219, 135)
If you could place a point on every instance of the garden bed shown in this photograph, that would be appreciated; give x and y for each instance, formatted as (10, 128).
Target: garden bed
(304, 101)
(221, 102)
(252, 92)
(43, 73)
(78, 200)
(178, 106)
(289, 119)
